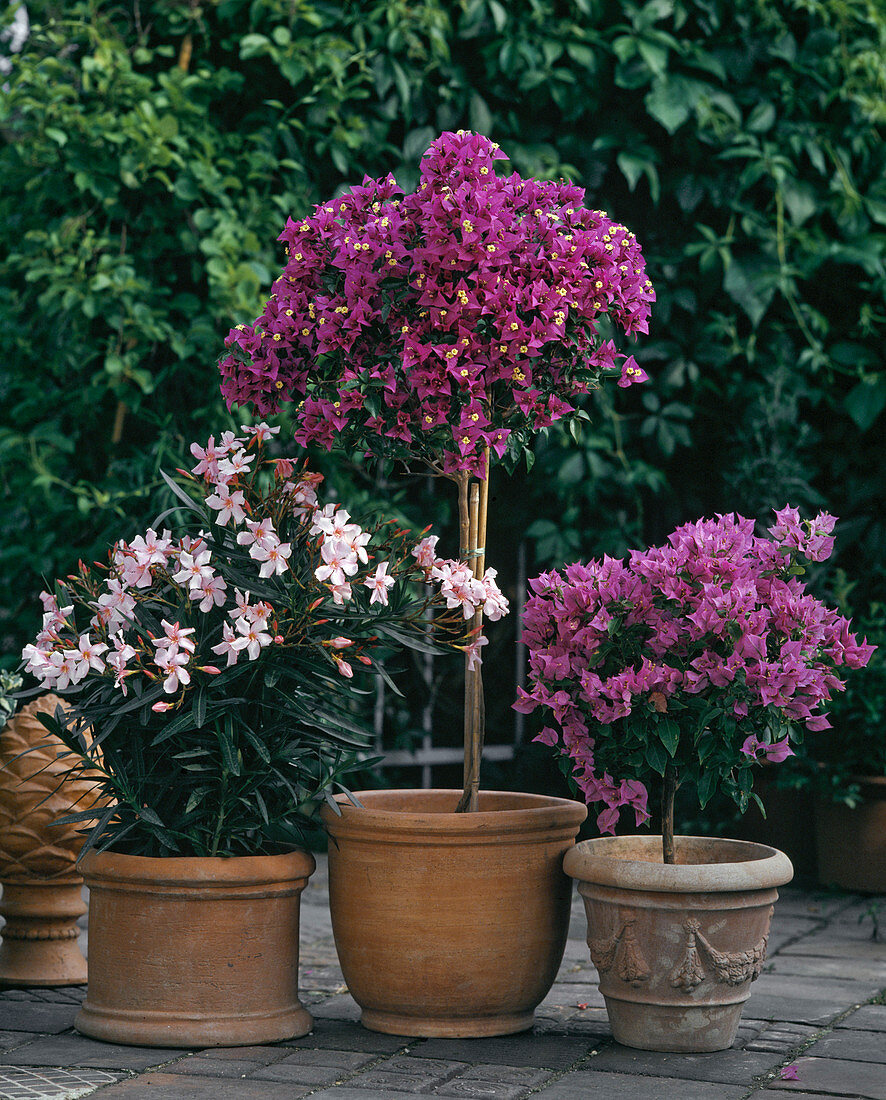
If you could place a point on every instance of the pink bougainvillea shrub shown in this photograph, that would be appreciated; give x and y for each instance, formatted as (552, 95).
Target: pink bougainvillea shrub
(466, 315)
(703, 655)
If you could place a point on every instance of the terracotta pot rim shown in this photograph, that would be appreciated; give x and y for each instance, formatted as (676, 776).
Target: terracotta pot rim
(256, 870)
(605, 862)
(380, 813)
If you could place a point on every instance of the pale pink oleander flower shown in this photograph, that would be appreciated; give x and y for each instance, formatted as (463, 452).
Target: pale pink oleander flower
(230, 645)
(175, 635)
(235, 465)
(495, 605)
(194, 569)
(425, 552)
(259, 613)
(61, 668)
(208, 456)
(38, 660)
(242, 607)
(211, 593)
(173, 664)
(341, 593)
(339, 562)
(378, 584)
(472, 652)
(274, 559)
(256, 638)
(228, 505)
(151, 547)
(86, 656)
(261, 431)
(259, 532)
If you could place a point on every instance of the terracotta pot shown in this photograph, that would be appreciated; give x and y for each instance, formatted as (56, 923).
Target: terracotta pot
(678, 945)
(41, 889)
(450, 924)
(861, 831)
(194, 952)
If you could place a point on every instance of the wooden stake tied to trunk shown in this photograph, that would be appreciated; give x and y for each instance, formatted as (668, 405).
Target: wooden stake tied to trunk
(473, 505)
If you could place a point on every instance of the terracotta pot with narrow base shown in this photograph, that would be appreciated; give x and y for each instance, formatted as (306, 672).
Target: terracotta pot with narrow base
(677, 945)
(859, 829)
(194, 952)
(450, 924)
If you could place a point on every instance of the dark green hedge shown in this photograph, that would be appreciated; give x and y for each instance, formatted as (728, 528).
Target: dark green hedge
(151, 152)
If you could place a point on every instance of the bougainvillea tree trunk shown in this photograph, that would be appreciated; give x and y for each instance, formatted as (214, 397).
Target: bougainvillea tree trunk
(668, 791)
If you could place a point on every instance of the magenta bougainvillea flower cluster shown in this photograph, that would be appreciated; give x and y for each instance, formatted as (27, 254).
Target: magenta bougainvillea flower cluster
(465, 315)
(218, 662)
(706, 653)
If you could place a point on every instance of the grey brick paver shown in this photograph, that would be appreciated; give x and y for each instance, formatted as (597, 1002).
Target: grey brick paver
(76, 1050)
(731, 1067)
(868, 1018)
(807, 1000)
(213, 1067)
(859, 1046)
(37, 1016)
(298, 1075)
(170, 1086)
(380, 1080)
(529, 1049)
(585, 1085)
(837, 1077)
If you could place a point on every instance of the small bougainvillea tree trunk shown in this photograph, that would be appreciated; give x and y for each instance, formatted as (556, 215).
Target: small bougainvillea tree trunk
(668, 790)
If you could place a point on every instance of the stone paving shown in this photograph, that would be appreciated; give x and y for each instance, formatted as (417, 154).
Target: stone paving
(815, 1027)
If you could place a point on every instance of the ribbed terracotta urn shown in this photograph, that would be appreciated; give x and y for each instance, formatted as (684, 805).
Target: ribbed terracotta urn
(677, 946)
(194, 952)
(42, 892)
(450, 924)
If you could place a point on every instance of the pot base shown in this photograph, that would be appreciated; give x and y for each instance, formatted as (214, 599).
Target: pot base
(454, 1027)
(165, 1029)
(695, 1029)
(40, 945)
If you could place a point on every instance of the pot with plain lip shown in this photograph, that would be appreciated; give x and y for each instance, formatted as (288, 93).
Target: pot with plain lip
(677, 945)
(194, 951)
(450, 924)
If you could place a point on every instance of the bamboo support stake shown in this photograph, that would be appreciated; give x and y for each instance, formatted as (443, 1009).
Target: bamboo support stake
(468, 799)
(478, 506)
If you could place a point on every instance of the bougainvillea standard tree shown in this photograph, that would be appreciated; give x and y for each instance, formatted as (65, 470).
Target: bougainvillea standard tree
(445, 326)
(686, 663)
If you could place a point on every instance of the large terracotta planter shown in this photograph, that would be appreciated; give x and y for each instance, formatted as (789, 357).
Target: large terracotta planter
(859, 830)
(41, 887)
(678, 945)
(450, 924)
(194, 952)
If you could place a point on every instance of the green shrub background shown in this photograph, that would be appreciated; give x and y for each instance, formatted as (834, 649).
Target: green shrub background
(151, 152)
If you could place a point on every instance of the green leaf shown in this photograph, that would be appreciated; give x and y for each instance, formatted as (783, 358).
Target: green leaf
(866, 401)
(751, 287)
(669, 734)
(671, 101)
(199, 708)
(227, 743)
(657, 756)
(707, 785)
